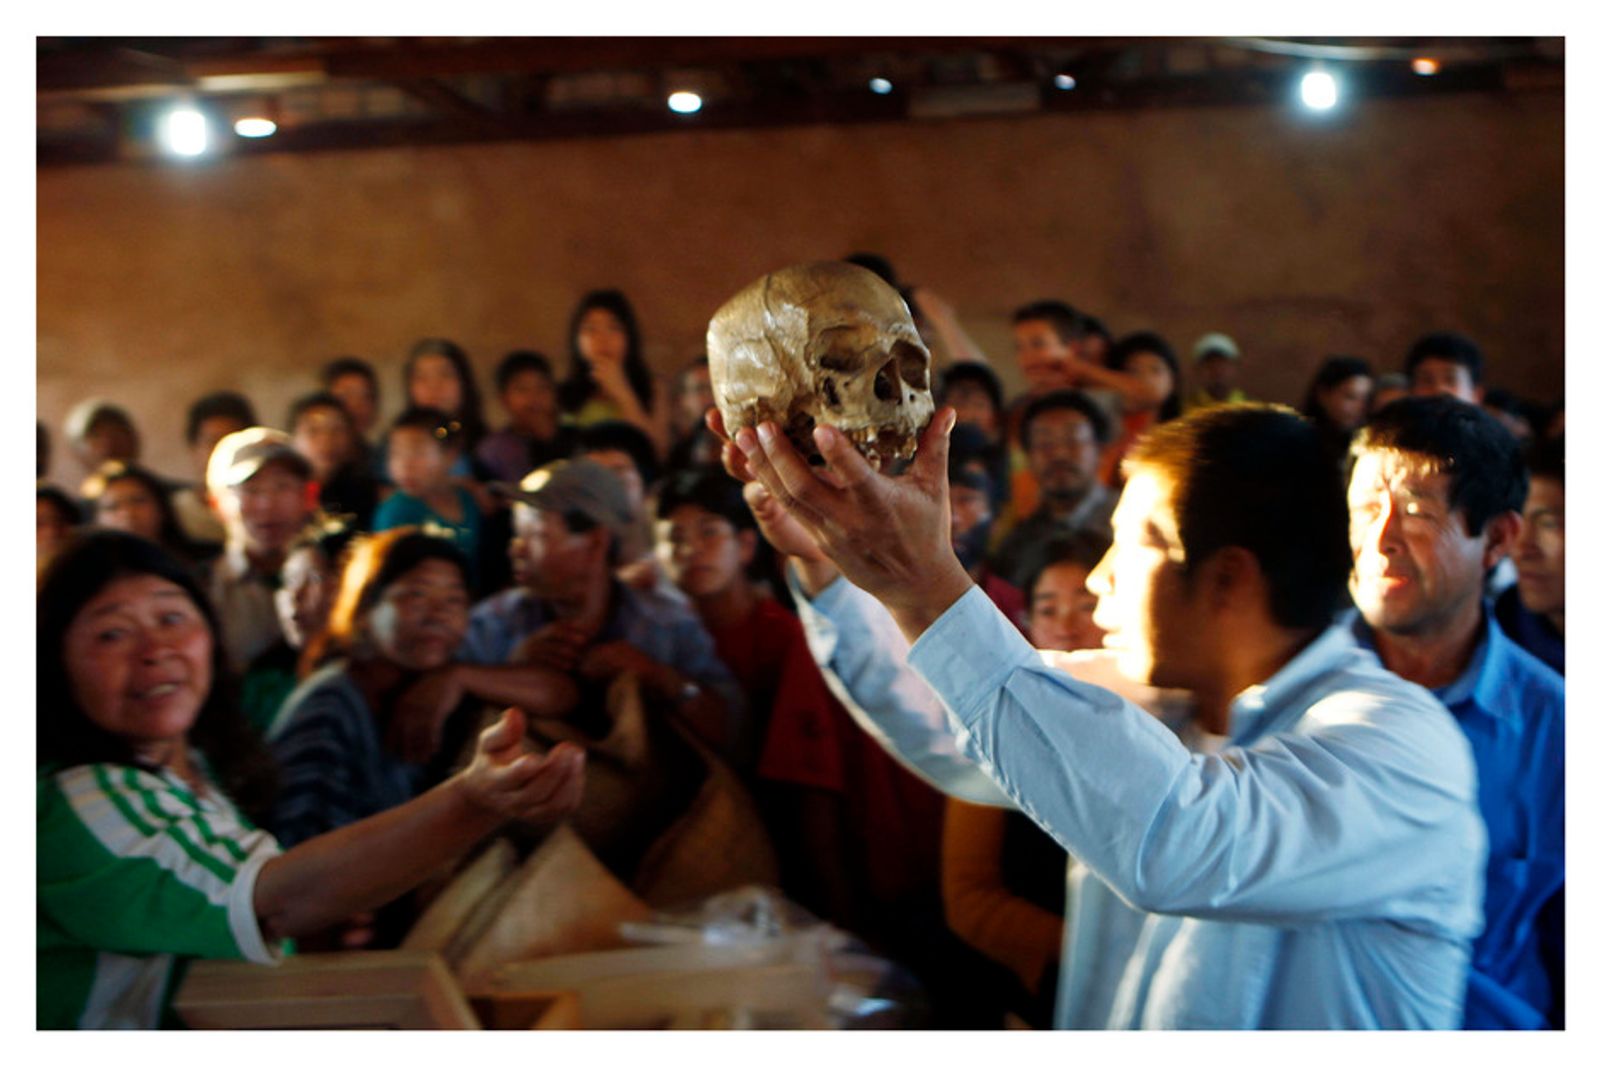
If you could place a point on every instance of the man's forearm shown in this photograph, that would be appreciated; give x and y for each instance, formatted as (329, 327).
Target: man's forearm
(539, 690)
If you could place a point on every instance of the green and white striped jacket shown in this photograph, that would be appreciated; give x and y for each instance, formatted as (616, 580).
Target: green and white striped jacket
(138, 874)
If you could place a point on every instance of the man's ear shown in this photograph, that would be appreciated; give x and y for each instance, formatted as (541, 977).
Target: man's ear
(1230, 579)
(1499, 537)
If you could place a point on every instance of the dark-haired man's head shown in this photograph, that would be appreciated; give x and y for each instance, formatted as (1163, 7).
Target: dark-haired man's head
(1445, 364)
(356, 384)
(1540, 551)
(527, 388)
(100, 431)
(974, 391)
(323, 431)
(1435, 492)
(1063, 433)
(622, 448)
(212, 417)
(705, 534)
(1229, 548)
(567, 518)
(1045, 335)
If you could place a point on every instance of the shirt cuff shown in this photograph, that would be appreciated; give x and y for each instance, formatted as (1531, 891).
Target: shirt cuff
(242, 919)
(969, 652)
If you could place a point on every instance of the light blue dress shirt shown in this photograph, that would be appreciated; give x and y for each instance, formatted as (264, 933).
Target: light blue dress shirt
(1323, 868)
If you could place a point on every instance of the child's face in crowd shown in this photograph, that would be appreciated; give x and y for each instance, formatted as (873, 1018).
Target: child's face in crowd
(702, 552)
(1042, 355)
(1062, 615)
(323, 436)
(974, 407)
(434, 384)
(421, 617)
(418, 462)
(1150, 368)
(305, 597)
(1345, 404)
(530, 401)
(601, 338)
(128, 505)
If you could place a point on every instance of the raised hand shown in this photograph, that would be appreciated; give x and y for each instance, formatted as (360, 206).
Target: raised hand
(888, 535)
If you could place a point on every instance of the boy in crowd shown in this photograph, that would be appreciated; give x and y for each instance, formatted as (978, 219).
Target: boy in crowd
(1533, 612)
(533, 434)
(1445, 364)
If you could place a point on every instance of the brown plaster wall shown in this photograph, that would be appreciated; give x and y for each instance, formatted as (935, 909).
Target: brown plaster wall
(1299, 237)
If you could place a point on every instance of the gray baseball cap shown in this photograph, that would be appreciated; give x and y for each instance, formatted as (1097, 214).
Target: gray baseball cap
(238, 457)
(568, 485)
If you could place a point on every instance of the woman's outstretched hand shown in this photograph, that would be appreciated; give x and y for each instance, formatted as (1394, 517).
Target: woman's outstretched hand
(510, 783)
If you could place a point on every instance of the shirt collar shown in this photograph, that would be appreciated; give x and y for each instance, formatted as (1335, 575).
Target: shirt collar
(1261, 708)
(1485, 670)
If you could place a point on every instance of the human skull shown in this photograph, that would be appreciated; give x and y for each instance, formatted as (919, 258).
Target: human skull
(822, 344)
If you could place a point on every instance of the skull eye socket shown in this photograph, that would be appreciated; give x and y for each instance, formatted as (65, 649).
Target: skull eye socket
(913, 363)
(840, 361)
(884, 386)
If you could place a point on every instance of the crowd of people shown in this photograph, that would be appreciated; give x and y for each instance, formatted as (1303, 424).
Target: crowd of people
(272, 689)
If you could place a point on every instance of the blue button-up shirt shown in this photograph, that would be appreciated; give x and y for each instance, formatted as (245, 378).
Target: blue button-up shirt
(666, 630)
(1322, 868)
(1513, 710)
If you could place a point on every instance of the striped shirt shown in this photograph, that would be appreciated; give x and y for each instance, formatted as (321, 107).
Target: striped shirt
(137, 873)
(332, 766)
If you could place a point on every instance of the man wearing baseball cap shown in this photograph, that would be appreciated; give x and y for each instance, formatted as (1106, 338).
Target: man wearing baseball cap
(1216, 368)
(257, 482)
(567, 610)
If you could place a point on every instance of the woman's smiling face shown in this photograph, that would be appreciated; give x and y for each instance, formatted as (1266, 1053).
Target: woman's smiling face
(138, 657)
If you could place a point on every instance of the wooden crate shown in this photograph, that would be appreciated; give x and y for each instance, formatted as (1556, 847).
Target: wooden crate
(336, 990)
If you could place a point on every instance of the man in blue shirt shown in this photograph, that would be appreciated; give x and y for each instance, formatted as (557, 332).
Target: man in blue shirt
(1307, 855)
(568, 612)
(1435, 490)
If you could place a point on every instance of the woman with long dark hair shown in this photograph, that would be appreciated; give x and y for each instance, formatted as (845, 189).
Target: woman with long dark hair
(607, 377)
(1338, 399)
(149, 782)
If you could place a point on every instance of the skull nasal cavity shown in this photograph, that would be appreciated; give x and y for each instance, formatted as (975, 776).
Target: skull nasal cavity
(830, 392)
(885, 387)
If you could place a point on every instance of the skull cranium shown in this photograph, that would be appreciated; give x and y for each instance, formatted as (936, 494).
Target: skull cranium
(822, 344)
